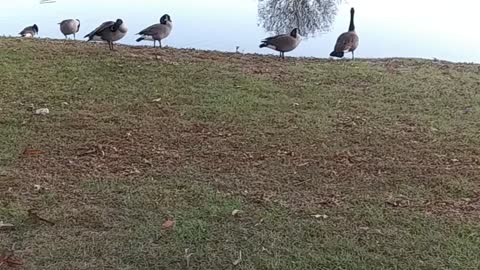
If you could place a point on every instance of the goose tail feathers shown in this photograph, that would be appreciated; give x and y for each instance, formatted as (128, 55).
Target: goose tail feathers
(337, 54)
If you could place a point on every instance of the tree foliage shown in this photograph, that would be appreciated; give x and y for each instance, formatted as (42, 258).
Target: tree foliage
(310, 16)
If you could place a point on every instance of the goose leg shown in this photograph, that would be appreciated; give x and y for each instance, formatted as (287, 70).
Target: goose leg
(74, 36)
(160, 42)
(353, 55)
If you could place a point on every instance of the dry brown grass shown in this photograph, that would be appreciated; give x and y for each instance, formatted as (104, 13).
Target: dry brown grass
(389, 145)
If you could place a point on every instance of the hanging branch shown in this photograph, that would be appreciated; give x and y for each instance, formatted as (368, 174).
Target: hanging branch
(311, 16)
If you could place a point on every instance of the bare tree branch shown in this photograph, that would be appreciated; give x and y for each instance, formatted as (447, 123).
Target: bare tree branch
(310, 16)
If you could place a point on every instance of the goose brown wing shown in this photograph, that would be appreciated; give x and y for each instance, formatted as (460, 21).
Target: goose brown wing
(151, 30)
(270, 39)
(26, 30)
(346, 42)
(283, 42)
(101, 28)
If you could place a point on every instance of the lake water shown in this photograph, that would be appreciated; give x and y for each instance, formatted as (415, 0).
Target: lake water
(408, 28)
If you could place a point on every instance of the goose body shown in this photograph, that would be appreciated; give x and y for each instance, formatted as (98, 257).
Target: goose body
(70, 27)
(348, 41)
(157, 32)
(109, 31)
(283, 43)
(29, 31)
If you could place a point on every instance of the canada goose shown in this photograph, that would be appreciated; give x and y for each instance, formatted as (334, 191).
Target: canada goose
(69, 27)
(29, 31)
(157, 31)
(109, 31)
(348, 41)
(283, 43)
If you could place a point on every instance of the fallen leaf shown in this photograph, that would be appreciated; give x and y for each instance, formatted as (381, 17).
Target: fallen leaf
(320, 216)
(157, 100)
(394, 204)
(10, 261)
(6, 226)
(136, 171)
(259, 223)
(31, 152)
(236, 212)
(239, 260)
(42, 111)
(35, 217)
(169, 224)
(187, 257)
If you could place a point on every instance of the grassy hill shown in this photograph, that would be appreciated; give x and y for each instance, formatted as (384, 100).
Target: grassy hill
(372, 164)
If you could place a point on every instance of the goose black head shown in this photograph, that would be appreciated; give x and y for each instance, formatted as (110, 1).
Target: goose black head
(35, 28)
(165, 18)
(117, 25)
(352, 11)
(295, 33)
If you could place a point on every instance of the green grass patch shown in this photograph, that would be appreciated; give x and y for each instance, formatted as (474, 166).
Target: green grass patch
(372, 164)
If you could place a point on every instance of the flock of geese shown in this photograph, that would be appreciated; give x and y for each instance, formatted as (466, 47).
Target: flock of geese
(112, 31)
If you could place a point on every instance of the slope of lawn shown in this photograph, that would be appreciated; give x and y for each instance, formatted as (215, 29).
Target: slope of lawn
(146, 153)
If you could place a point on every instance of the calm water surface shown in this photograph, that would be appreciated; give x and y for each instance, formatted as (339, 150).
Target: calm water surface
(387, 28)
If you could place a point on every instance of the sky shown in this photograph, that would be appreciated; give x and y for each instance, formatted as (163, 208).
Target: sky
(408, 28)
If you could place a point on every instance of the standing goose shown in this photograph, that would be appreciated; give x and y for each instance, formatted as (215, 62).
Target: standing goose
(157, 31)
(283, 43)
(109, 31)
(69, 27)
(348, 41)
(29, 31)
